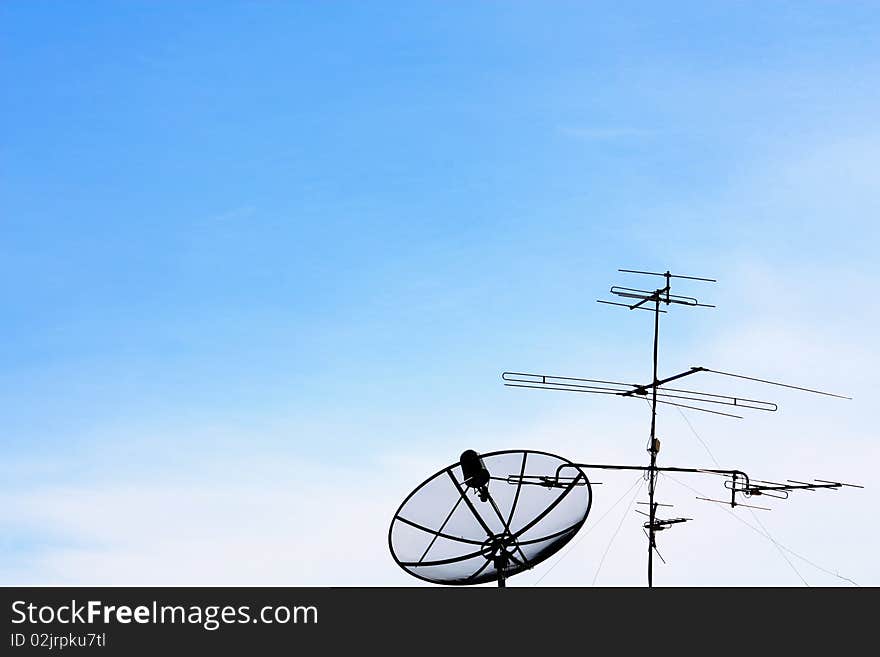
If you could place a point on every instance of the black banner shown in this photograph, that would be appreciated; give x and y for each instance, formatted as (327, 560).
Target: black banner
(129, 621)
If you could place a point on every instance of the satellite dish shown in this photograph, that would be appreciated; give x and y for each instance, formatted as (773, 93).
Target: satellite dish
(488, 517)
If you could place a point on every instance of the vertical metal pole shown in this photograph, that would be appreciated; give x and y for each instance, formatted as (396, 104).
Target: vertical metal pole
(652, 470)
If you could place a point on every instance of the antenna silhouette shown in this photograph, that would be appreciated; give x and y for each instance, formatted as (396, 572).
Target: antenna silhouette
(737, 482)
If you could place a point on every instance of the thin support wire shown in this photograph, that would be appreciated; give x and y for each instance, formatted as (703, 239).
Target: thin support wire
(762, 534)
(767, 533)
(593, 526)
(616, 532)
(702, 442)
(779, 549)
(757, 520)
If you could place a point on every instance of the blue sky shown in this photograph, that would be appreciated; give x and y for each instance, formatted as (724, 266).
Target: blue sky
(243, 235)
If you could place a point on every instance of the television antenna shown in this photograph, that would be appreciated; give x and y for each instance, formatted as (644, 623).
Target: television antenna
(528, 504)
(736, 481)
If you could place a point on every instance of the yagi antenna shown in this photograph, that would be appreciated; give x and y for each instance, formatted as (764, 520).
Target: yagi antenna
(660, 300)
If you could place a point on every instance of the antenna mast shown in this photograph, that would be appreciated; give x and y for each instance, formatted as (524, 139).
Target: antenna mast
(736, 481)
(663, 294)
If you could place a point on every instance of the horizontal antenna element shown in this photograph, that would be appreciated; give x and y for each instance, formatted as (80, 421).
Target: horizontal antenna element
(669, 396)
(667, 275)
(773, 383)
